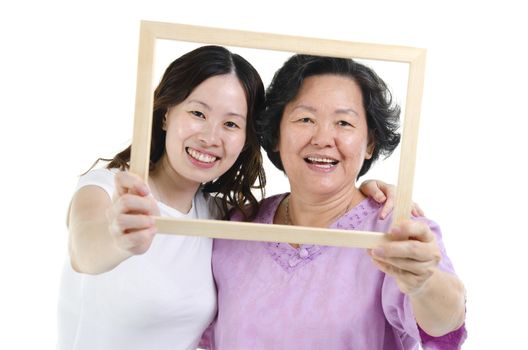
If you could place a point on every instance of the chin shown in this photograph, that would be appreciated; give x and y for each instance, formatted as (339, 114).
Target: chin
(320, 190)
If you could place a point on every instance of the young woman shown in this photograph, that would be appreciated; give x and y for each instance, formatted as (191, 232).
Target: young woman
(156, 291)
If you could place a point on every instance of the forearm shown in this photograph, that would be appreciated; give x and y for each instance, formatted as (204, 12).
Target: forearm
(439, 307)
(92, 249)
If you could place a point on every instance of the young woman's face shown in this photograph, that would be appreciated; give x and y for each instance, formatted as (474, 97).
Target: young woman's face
(207, 131)
(324, 135)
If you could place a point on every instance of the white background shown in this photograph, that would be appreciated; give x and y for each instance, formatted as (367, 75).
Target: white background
(67, 88)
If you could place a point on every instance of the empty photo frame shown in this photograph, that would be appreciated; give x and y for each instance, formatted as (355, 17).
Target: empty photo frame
(139, 162)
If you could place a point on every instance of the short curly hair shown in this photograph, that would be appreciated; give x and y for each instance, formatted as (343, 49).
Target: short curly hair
(383, 115)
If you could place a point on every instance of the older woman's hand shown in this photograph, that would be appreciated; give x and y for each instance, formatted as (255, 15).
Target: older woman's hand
(131, 219)
(411, 257)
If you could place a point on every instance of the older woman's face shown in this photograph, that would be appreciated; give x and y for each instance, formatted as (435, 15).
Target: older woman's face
(324, 136)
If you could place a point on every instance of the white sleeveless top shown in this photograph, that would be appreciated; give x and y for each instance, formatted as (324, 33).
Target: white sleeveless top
(163, 299)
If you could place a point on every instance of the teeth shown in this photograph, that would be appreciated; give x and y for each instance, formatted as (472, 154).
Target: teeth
(322, 160)
(325, 166)
(200, 156)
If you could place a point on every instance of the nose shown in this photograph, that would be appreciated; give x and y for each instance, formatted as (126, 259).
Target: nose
(323, 135)
(210, 134)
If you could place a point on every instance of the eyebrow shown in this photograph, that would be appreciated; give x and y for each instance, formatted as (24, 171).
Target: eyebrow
(206, 106)
(200, 103)
(337, 111)
(346, 111)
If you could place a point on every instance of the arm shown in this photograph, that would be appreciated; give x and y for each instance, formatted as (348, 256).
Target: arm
(104, 232)
(437, 297)
(383, 192)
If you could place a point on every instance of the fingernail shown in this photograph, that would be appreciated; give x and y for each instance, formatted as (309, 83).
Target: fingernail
(378, 252)
(395, 230)
(142, 191)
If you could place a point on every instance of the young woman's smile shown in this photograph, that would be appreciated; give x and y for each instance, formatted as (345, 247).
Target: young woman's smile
(207, 131)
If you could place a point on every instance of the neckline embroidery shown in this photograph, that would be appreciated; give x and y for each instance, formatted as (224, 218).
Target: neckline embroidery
(290, 258)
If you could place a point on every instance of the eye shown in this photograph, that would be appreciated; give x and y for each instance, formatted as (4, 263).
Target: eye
(232, 125)
(305, 120)
(344, 123)
(197, 114)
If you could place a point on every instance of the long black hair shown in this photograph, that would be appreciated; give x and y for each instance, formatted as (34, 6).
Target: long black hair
(233, 188)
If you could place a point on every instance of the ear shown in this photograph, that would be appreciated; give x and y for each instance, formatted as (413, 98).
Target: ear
(164, 123)
(370, 148)
(277, 146)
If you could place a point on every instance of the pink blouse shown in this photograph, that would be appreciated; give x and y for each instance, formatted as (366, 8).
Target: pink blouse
(273, 296)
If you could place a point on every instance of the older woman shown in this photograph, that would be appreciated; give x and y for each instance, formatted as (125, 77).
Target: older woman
(326, 121)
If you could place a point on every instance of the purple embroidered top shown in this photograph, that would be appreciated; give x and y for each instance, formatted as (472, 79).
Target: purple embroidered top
(274, 296)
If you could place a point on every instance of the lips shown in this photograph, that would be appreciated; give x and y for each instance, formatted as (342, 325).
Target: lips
(322, 162)
(200, 156)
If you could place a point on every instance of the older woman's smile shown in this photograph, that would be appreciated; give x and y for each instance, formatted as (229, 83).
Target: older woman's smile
(323, 146)
(321, 162)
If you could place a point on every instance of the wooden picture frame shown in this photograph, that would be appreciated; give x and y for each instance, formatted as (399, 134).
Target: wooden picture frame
(139, 162)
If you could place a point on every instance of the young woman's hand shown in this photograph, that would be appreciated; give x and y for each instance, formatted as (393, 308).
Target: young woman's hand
(130, 217)
(385, 193)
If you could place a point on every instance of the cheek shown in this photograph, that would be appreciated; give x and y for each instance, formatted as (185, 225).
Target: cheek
(181, 129)
(234, 143)
(178, 128)
(292, 139)
(356, 147)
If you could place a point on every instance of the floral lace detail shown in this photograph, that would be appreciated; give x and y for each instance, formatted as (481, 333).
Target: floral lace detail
(355, 216)
(290, 258)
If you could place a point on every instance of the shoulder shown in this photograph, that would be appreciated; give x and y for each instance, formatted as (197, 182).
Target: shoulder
(364, 216)
(208, 206)
(102, 177)
(267, 209)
